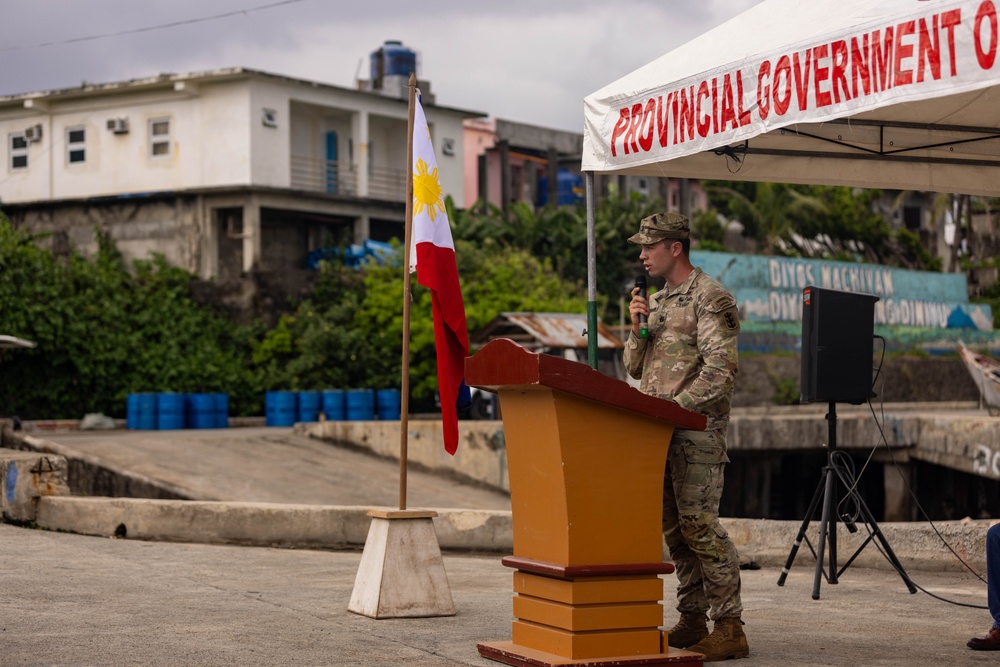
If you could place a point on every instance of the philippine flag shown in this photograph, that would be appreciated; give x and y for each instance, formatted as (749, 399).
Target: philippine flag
(433, 258)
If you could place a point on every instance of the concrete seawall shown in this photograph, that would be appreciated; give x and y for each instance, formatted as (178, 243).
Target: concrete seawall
(768, 543)
(955, 435)
(37, 492)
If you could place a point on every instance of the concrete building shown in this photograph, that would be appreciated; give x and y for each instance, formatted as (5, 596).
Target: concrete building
(508, 162)
(225, 172)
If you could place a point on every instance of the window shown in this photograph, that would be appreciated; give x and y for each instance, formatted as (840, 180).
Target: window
(159, 137)
(18, 151)
(76, 145)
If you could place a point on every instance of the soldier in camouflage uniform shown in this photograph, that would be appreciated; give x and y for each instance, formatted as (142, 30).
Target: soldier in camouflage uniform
(690, 357)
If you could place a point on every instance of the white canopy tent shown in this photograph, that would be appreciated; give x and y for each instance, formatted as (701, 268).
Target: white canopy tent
(896, 94)
(891, 94)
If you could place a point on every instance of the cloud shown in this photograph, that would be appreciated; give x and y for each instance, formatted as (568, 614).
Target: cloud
(521, 60)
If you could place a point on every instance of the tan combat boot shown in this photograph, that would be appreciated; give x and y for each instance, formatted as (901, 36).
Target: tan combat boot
(691, 629)
(726, 642)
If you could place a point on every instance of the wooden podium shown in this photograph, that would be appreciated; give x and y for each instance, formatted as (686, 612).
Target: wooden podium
(585, 456)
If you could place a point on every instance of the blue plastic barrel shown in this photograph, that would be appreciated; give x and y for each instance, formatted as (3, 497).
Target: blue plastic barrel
(282, 408)
(200, 411)
(360, 404)
(145, 411)
(169, 411)
(388, 403)
(332, 404)
(221, 410)
(309, 402)
(269, 401)
(132, 412)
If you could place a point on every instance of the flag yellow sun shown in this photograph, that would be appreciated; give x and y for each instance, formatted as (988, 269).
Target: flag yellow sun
(427, 191)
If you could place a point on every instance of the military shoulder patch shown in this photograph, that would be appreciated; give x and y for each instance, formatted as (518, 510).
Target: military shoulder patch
(723, 305)
(731, 320)
(720, 302)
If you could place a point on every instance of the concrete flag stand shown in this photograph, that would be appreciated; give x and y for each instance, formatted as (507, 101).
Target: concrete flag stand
(401, 574)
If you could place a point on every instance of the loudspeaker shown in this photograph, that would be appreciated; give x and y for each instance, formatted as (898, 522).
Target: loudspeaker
(837, 343)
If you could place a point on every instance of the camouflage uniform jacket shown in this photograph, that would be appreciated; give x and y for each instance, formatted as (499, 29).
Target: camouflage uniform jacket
(690, 355)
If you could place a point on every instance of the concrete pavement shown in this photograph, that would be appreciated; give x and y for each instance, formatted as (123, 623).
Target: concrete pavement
(76, 600)
(69, 599)
(271, 486)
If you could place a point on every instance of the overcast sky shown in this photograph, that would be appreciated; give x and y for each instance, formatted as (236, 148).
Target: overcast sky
(530, 61)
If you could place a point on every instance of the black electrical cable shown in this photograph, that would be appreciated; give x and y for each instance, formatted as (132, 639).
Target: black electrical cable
(161, 26)
(846, 471)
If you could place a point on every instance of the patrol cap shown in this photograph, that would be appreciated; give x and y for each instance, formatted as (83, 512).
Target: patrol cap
(661, 226)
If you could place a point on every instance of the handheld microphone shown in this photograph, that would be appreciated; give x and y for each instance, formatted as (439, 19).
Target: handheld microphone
(640, 282)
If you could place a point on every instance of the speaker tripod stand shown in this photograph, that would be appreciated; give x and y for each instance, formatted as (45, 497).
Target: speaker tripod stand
(827, 490)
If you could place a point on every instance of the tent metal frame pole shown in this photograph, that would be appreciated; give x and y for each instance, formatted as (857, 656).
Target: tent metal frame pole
(588, 179)
(894, 157)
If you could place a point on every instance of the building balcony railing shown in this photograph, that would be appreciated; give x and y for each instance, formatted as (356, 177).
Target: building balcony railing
(388, 184)
(329, 176)
(340, 178)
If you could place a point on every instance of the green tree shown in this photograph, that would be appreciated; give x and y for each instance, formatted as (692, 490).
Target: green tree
(559, 234)
(847, 226)
(350, 333)
(709, 231)
(104, 331)
(771, 213)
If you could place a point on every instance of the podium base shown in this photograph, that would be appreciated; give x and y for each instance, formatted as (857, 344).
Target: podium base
(401, 574)
(521, 656)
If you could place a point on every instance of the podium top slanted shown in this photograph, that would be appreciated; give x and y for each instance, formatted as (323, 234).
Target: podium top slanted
(504, 363)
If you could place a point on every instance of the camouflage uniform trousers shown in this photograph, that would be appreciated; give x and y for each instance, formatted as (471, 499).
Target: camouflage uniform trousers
(706, 560)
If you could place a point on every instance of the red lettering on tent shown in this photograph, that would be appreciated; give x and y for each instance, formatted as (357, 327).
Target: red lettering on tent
(686, 118)
(987, 11)
(702, 120)
(948, 21)
(802, 78)
(860, 61)
(728, 107)
(674, 98)
(881, 58)
(648, 119)
(633, 127)
(902, 76)
(715, 105)
(782, 85)
(662, 117)
(820, 74)
(912, 51)
(764, 90)
(928, 49)
(838, 76)
(623, 118)
(744, 114)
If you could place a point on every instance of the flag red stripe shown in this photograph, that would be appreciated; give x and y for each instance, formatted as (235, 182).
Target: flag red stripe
(438, 271)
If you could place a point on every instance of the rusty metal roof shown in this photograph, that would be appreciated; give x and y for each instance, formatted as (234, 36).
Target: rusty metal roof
(550, 330)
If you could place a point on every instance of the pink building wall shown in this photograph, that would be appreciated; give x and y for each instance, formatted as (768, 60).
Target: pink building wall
(479, 136)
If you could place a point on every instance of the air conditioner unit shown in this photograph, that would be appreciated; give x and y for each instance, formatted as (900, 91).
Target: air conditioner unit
(118, 125)
(33, 133)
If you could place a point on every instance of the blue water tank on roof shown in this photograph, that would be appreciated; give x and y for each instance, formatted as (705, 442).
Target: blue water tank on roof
(392, 58)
